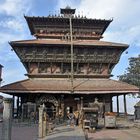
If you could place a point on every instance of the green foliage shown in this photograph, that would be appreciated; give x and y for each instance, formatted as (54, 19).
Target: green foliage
(132, 75)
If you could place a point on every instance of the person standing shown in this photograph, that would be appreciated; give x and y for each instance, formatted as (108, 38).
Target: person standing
(76, 115)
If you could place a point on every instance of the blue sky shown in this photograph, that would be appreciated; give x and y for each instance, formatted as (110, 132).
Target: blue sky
(125, 27)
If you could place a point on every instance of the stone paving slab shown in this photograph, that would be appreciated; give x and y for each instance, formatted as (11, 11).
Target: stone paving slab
(115, 134)
(25, 132)
(22, 132)
(66, 133)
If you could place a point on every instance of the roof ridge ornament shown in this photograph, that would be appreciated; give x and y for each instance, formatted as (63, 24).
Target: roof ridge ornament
(68, 7)
(67, 12)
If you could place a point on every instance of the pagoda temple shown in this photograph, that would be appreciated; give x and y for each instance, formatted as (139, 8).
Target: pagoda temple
(67, 64)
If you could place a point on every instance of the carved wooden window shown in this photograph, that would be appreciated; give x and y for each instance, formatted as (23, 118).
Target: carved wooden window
(82, 68)
(55, 68)
(43, 67)
(33, 68)
(96, 68)
(66, 68)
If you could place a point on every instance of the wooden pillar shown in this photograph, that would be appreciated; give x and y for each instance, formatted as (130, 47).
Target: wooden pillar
(78, 104)
(104, 105)
(62, 106)
(81, 103)
(125, 108)
(111, 104)
(21, 102)
(117, 105)
(13, 105)
(17, 106)
(7, 119)
(57, 111)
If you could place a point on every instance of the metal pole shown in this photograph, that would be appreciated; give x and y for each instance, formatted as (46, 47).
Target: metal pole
(71, 39)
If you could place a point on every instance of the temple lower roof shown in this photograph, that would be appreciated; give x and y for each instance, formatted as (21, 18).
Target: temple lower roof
(63, 86)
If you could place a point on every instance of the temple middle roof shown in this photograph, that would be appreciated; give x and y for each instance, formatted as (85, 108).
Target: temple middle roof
(79, 43)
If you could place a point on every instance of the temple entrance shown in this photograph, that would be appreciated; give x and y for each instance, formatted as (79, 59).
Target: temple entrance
(50, 110)
(51, 105)
(70, 105)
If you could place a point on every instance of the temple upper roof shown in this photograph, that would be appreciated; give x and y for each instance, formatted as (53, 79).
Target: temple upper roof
(60, 25)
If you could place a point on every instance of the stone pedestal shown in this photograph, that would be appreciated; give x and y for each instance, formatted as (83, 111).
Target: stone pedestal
(40, 129)
(7, 119)
(44, 124)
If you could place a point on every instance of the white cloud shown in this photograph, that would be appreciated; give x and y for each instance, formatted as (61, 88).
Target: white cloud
(125, 35)
(5, 37)
(18, 74)
(14, 7)
(125, 26)
(64, 3)
(11, 24)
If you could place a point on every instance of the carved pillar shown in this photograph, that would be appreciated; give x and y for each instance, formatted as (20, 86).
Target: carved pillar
(125, 108)
(117, 105)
